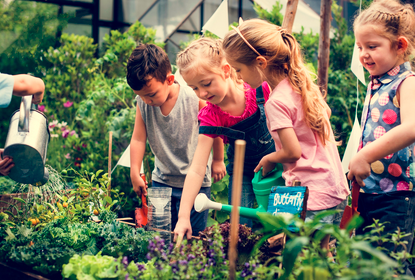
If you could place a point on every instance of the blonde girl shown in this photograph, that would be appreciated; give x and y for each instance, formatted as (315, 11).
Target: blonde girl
(384, 166)
(234, 111)
(297, 115)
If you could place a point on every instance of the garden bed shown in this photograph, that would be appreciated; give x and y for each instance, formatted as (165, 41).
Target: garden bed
(10, 272)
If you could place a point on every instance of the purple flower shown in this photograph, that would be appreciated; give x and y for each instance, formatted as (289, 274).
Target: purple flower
(125, 262)
(183, 262)
(65, 133)
(41, 108)
(126, 277)
(67, 104)
(141, 267)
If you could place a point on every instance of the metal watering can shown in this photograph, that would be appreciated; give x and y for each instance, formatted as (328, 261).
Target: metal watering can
(26, 143)
(262, 188)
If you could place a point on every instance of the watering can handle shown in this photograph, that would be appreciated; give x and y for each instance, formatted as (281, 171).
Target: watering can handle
(258, 175)
(25, 105)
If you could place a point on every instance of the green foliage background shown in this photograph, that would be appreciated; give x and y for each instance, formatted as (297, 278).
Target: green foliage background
(87, 96)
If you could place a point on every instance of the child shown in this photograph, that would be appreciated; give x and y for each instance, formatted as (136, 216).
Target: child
(18, 85)
(297, 115)
(166, 117)
(385, 168)
(234, 111)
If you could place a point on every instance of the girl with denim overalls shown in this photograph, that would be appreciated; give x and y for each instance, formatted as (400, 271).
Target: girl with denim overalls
(297, 115)
(384, 166)
(234, 111)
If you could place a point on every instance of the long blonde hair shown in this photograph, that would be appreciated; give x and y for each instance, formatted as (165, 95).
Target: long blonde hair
(283, 55)
(204, 54)
(392, 19)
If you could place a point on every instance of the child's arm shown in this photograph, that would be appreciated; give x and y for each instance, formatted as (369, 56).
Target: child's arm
(218, 164)
(28, 85)
(137, 150)
(394, 140)
(192, 185)
(290, 151)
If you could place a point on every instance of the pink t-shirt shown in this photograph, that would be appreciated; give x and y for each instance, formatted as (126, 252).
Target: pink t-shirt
(212, 115)
(319, 167)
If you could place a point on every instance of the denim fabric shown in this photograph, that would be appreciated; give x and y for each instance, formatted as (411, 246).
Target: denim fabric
(247, 196)
(396, 208)
(197, 220)
(259, 143)
(334, 219)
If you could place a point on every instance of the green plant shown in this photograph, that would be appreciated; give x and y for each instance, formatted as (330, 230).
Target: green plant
(92, 190)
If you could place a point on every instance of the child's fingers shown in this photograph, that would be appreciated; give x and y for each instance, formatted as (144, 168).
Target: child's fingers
(359, 180)
(189, 234)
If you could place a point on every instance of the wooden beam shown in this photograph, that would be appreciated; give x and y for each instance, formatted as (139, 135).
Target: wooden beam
(183, 21)
(289, 16)
(324, 45)
(148, 10)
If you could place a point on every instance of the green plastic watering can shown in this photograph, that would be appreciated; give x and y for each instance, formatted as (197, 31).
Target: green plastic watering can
(262, 188)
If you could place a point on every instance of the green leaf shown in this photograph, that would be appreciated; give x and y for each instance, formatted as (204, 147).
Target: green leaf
(20, 200)
(291, 251)
(108, 199)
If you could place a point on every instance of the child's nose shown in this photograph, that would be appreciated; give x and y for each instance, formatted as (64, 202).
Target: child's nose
(203, 93)
(147, 100)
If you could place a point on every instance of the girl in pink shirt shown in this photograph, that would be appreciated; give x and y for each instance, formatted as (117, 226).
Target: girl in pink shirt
(297, 115)
(234, 111)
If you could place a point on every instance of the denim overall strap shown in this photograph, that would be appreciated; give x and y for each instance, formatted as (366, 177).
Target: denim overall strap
(220, 130)
(260, 100)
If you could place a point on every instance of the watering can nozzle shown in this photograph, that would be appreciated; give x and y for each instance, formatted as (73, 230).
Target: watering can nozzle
(202, 203)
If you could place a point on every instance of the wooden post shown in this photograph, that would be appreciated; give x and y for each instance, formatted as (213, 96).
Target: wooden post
(289, 16)
(324, 45)
(109, 163)
(236, 202)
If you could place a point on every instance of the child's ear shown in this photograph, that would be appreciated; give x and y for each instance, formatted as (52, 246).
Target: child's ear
(227, 70)
(402, 45)
(170, 79)
(261, 62)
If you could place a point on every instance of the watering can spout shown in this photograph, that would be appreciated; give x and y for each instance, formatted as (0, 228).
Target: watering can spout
(202, 203)
(262, 188)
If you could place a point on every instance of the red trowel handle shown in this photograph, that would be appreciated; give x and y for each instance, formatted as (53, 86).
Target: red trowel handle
(141, 213)
(355, 196)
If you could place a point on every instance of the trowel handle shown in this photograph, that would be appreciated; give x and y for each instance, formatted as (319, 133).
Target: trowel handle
(24, 114)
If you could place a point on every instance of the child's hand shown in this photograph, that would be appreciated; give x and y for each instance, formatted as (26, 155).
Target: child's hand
(139, 185)
(218, 170)
(183, 227)
(266, 164)
(5, 164)
(359, 169)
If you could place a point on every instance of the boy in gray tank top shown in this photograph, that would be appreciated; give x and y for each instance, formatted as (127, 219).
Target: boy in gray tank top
(167, 118)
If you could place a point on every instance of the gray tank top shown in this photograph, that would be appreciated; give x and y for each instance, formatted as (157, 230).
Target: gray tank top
(173, 138)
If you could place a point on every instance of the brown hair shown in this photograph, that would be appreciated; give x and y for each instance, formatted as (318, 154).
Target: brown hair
(204, 53)
(391, 19)
(147, 61)
(284, 59)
